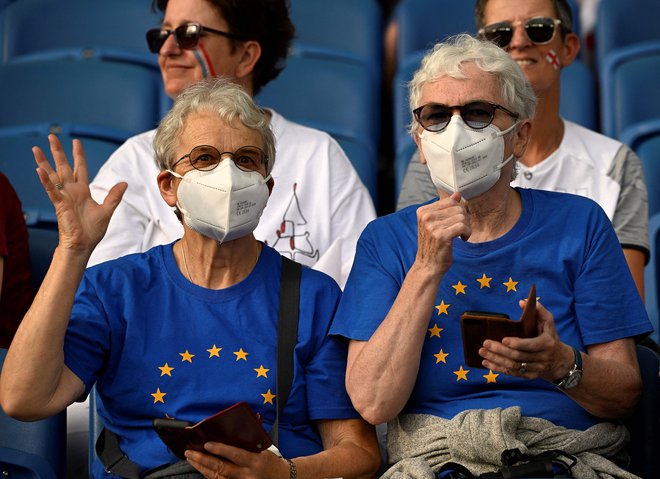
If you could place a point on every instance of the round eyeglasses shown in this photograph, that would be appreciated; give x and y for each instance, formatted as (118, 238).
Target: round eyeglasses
(477, 114)
(206, 158)
(539, 30)
(187, 36)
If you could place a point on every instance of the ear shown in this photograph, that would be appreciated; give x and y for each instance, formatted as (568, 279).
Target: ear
(521, 138)
(249, 58)
(570, 49)
(166, 187)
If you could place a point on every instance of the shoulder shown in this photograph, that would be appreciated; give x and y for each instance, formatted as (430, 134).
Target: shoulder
(565, 207)
(132, 265)
(588, 144)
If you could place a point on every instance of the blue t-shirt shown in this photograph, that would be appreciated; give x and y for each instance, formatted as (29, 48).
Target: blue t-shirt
(562, 243)
(159, 346)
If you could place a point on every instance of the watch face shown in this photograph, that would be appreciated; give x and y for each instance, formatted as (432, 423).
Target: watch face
(573, 380)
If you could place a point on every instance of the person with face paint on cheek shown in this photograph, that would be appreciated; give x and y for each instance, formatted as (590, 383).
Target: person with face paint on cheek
(482, 245)
(190, 328)
(318, 205)
(560, 155)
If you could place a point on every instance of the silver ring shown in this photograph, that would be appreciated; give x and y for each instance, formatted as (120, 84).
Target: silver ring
(59, 186)
(523, 368)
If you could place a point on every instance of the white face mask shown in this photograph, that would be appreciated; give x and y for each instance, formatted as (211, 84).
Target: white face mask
(465, 160)
(224, 203)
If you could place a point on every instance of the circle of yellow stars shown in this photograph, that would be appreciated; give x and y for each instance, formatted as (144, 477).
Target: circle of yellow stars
(213, 352)
(443, 309)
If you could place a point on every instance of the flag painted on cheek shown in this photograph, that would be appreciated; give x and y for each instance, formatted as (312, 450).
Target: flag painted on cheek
(204, 61)
(552, 59)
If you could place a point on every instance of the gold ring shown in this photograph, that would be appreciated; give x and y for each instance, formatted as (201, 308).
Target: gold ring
(59, 186)
(523, 368)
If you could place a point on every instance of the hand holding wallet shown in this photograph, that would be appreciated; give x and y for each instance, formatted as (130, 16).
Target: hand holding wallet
(478, 326)
(236, 426)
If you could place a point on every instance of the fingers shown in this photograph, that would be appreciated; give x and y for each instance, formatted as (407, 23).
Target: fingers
(209, 466)
(114, 196)
(79, 162)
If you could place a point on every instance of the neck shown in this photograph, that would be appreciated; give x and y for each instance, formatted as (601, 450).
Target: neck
(494, 213)
(212, 265)
(546, 133)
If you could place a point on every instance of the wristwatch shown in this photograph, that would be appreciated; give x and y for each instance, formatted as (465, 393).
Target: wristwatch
(574, 376)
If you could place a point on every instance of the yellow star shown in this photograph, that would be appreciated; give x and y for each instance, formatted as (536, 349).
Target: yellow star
(158, 396)
(268, 397)
(510, 285)
(491, 377)
(461, 373)
(440, 357)
(186, 356)
(214, 351)
(459, 287)
(442, 308)
(435, 331)
(165, 370)
(240, 354)
(261, 371)
(484, 281)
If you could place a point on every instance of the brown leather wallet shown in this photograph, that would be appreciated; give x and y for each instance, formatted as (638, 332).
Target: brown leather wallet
(236, 426)
(478, 326)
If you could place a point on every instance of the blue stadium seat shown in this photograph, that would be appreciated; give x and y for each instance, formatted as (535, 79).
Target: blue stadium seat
(652, 277)
(622, 23)
(338, 97)
(119, 96)
(17, 162)
(644, 138)
(32, 450)
(422, 23)
(31, 26)
(629, 92)
(349, 30)
(578, 103)
(42, 243)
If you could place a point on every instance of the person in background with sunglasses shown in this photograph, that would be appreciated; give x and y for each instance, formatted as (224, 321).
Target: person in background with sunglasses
(482, 246)
(187, 329)
(561, 155)
(318, 206)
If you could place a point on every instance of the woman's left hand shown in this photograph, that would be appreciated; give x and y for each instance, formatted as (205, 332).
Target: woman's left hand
(544, 356)
(224, 462)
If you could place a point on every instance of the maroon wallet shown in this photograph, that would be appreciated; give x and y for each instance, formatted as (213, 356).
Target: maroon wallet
(478, 326)
(236, 426)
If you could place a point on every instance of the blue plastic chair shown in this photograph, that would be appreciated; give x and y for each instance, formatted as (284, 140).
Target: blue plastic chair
(622, 23)
(348, 30)
(337, 97)
(17, 162)
(652, 277)
(644, 138)
(31, 26)
(42, 244)
(32, 450)
(629, 90)
(120, 96)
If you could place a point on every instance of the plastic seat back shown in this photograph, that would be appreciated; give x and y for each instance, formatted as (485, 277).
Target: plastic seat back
(17, 163)
(32, 450)
(652, 278)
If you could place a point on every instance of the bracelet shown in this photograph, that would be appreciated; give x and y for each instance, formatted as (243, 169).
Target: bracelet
(293, 472)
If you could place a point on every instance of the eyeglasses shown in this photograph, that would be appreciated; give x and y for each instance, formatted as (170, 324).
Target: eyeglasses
(477, 114)
(187, 36)
(540, 30)
(206, 158)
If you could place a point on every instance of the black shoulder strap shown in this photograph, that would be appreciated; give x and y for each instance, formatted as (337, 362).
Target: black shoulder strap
(287, 336)
(107, 444)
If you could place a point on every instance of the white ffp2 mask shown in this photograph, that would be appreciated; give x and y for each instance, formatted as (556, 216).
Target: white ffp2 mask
(224, 203)
(462, 159)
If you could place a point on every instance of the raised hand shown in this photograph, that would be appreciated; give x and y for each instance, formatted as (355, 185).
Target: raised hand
(81, 221)
(438, 223)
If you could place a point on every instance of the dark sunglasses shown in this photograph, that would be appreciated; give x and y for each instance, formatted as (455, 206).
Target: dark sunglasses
(206, 158)
(477, 115)
(540, 30)
(187, 36)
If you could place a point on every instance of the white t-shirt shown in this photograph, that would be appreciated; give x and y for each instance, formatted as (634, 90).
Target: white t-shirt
(315, 214)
